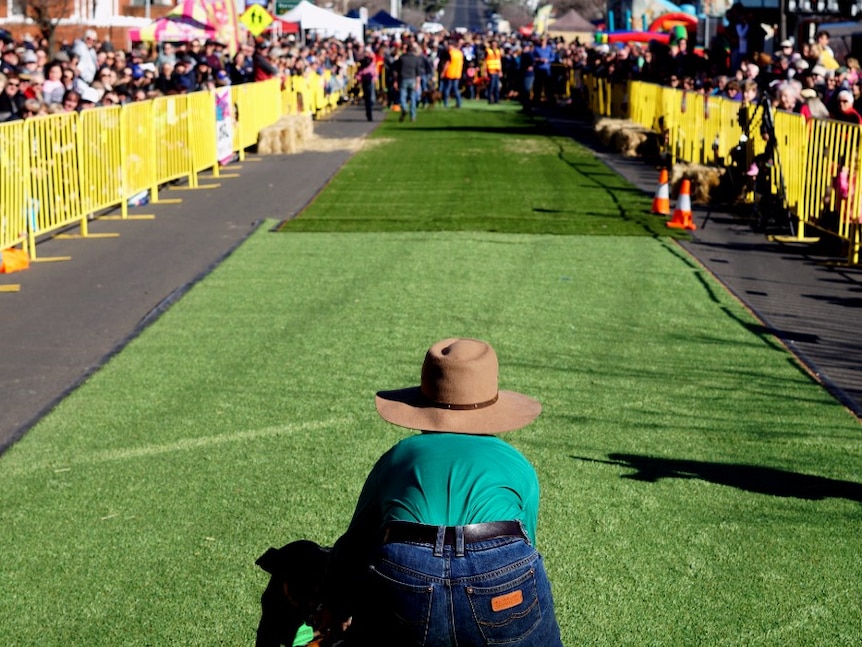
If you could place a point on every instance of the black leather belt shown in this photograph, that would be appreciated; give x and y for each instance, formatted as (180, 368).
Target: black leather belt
(397, 532)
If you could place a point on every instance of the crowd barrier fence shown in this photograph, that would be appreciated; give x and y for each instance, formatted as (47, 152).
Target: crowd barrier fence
(60, 170)
(817, 161)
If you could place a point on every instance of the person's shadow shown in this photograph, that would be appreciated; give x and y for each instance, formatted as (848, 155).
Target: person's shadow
(752, 478)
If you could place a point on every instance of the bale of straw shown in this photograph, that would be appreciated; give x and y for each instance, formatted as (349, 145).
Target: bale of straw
(304, 125)
(269, 140)
(604, 129)
(626, 137)
(290, 134)
(704, 180)
(290, 143)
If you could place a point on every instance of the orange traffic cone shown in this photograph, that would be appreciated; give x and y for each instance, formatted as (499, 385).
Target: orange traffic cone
(661, 201)
(682, 214)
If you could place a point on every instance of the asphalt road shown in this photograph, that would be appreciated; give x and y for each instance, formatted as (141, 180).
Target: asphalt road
(465, 14)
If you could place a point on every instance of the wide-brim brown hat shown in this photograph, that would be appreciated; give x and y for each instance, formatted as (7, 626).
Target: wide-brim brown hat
(459, 394)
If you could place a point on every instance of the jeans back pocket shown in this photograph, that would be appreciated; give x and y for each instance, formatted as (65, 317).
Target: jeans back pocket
(404, 609)
(506, 612)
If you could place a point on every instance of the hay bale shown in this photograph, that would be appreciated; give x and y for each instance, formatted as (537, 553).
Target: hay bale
(289, 140)
(605, 128)
(303, 129)
(290, 134)
(628, 140)
(625, 137)
(269, 140)
(704, 180)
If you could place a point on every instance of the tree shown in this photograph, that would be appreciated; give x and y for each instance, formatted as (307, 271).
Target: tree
(47, 14)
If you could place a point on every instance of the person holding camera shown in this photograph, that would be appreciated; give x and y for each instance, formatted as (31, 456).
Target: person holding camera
(441, 549)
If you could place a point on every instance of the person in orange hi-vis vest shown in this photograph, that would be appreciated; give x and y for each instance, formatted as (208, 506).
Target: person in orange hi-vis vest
(494, 65)
(450, 77)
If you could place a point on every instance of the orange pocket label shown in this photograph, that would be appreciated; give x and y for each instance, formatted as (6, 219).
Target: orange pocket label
(503, 602)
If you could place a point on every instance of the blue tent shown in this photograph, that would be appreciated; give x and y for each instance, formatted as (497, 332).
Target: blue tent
(384, 20)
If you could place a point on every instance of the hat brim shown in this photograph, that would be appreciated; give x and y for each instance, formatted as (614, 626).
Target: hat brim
(409, 408)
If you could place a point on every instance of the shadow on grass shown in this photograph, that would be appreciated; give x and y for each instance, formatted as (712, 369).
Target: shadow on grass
(751, 478)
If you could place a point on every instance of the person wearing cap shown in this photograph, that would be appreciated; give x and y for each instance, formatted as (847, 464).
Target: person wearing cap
(212, 55)
(10, 61)
(441, 549)
(29, 62)
(182, 78)
(263, 68)
(786, 47)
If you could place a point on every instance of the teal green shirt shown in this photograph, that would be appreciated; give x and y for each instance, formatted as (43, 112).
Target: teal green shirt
(446, 479)
(438, 479)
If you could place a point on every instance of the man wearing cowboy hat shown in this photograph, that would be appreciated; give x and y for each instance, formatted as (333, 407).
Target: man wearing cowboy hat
(441, 547)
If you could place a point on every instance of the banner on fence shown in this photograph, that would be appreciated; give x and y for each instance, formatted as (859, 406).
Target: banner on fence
(224, 125)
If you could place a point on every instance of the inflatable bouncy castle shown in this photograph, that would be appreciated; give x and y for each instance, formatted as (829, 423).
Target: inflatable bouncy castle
(662, 21)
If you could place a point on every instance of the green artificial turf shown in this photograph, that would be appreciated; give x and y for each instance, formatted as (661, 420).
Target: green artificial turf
(698, 487)
(480, 169)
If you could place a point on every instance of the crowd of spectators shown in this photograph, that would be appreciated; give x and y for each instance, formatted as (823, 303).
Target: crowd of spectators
(740, 64)
(88, 73)
(805, 78)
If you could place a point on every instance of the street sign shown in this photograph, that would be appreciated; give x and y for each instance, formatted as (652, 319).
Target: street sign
(256, 18)
(283, 6)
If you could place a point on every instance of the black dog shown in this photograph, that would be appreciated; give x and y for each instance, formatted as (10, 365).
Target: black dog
(293, 592)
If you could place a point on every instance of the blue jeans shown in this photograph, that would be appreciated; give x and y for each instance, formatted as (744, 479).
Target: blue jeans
(447, 86)
(487, 593)
(407, 90)
(494, 89)
(368, 96)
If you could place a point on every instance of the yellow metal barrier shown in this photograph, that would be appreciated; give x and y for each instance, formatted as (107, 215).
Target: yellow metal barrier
(55, 194)
(819, 163)
(16, 203)
(100, 160)
(171, 123)
(138, 152)
(289, 100)
(832, 200)
(59, 170)
(201, 132)
(302, 92)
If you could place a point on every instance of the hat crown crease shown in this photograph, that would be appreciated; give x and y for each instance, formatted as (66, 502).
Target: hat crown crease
(460, 373)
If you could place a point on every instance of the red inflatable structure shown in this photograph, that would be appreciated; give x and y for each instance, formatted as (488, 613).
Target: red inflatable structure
(668, 21)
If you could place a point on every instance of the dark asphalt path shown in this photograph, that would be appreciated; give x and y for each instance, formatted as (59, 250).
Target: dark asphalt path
(465, 14)
(812, 307)
(69, 317)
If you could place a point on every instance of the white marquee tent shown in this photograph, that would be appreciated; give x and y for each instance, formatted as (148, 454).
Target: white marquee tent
(325, 23)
